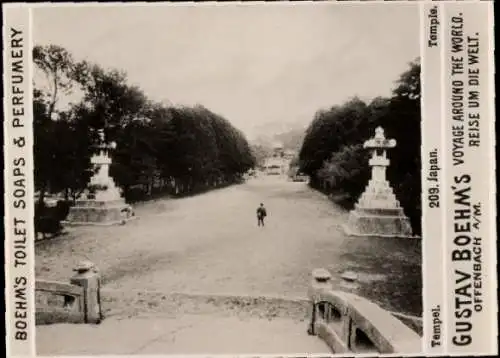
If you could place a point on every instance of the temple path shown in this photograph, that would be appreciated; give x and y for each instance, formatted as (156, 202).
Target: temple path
(211, 244)
(205, 257)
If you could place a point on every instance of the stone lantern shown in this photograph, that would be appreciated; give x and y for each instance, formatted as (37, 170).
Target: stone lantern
(103, 185)
(378, 212)
(104, 204)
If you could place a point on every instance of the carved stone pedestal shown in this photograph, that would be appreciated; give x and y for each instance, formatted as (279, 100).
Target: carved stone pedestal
(94, 212)
(378, 222)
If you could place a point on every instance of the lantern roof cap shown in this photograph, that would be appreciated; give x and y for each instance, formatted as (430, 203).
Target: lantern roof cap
(379, 141)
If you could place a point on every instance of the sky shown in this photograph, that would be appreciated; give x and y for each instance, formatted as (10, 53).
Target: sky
(260, 66)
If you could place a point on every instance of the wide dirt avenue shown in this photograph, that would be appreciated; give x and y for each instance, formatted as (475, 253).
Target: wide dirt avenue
(189, 255)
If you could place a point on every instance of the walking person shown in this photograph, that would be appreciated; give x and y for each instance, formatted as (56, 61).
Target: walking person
(261, 214)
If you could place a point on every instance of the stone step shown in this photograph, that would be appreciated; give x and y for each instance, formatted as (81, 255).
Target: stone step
(187, 334)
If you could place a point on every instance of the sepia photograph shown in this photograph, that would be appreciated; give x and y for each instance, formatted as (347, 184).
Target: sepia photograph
(227, 178)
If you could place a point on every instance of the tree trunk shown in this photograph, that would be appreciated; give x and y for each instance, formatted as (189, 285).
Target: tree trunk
(52, 104)
(150, 185)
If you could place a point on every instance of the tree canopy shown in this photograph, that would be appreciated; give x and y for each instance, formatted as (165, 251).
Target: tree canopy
(333, 156)
(179, 150)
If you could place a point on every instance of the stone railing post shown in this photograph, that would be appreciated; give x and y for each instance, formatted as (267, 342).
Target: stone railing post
(321, 281)
(88, 278)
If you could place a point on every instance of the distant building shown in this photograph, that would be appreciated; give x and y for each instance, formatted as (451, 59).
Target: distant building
(278, 150)
(274, 166)
(279, 162)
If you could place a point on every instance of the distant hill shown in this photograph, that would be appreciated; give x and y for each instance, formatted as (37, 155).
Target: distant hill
(291, 139)
(289, 135)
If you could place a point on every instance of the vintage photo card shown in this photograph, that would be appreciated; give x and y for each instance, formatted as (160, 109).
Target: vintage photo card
(250, 178)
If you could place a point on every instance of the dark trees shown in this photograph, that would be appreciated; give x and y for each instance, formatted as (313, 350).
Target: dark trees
(159, 149)
(332, 153)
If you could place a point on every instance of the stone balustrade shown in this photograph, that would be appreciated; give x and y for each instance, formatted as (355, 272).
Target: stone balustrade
(78, 301)
(350, 323)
